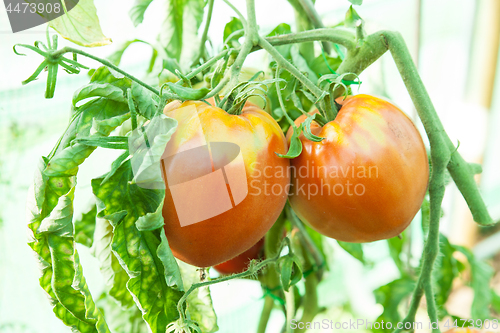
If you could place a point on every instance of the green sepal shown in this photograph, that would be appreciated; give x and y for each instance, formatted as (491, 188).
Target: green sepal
(307, 127)
(295, 148)
(291, 271)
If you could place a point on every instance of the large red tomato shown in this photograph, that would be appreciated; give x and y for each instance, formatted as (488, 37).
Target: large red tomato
(225, 185)
(367, 179)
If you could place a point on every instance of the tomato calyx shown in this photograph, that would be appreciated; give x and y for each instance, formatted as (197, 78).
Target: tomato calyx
(235, 100)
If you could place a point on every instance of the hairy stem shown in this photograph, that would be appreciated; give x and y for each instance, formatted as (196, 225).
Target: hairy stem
(336, 35)
(106, 63)
(289, 67)
(315, 19)
(440, 157)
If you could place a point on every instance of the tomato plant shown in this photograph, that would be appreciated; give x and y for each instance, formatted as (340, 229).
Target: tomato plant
(366, 179)
(203, 175)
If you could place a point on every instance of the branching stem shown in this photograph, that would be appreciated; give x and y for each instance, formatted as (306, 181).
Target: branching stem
(106, 63)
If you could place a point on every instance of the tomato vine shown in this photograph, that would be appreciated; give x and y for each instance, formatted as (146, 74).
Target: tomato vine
(147, 259)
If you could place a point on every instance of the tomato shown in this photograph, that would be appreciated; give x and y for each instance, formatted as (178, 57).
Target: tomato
(207, 224)
(367, 179)
(240, 263)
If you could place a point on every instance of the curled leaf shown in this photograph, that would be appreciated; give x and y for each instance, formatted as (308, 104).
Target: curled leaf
(295, 144)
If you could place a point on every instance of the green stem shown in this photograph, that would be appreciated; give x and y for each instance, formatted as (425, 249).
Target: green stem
(252, 270)
(240, 16)
(289, 67)
(131, 107)
(290, 309)
(106, 63)
(315, 19)
(335, 35)
(310, 302)
(201, 52)
(206, 65)
(306, 241)
(265, 315)
(252, 29)
(280, 98)
(303, 23)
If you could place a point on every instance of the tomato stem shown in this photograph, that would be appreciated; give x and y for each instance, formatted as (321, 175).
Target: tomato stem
(252, 270)
(201, 52)
(64, 50)
(308, 7)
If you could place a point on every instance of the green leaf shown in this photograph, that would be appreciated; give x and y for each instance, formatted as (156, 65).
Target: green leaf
(97, 110)
(481, 275)
(172, 272)
(231, 27)
(183, 19)
(147, 102)
(291, 272)
(495, 301)
(390, 297)
(302, 65)
(115, 276)
(105, 75)
(199, 302)
(354, 249)
(124, 203)
(101, 90)
(295, 147)
(445, 271)
(66, 161)
(116, 56)
(50, 213)
(81, 25)
(325, 64)
(171, 65)
(137, 11)
(115, 165)
(85, 226)
(121, 319)
(105, 126)
(352, 19)
(147, 149)
(395, 248)
(356, 2)
(186, 93)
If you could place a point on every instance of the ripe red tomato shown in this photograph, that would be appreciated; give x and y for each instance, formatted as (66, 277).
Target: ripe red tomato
(367, 179)
(240, 263)
(236, 221)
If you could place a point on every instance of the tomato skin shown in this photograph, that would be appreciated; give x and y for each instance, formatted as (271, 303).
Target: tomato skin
(240, 263)
(368, 134)
(222, 237)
